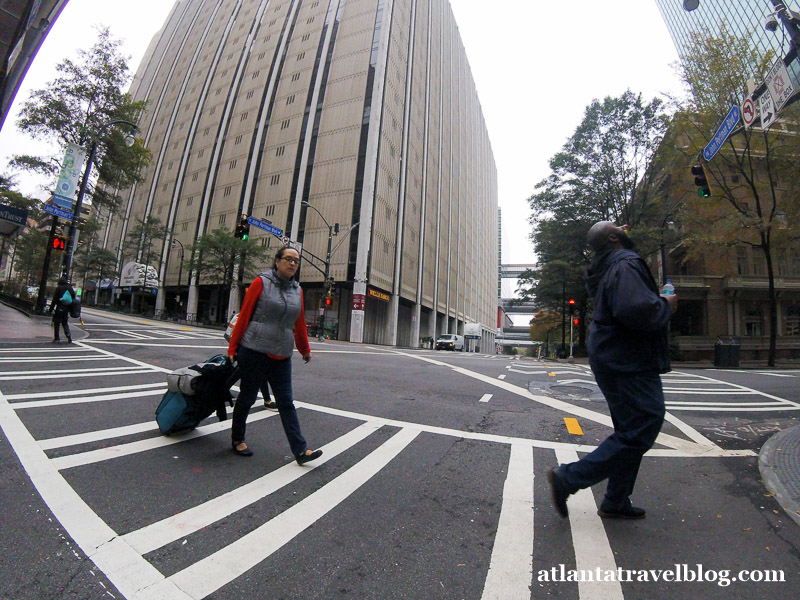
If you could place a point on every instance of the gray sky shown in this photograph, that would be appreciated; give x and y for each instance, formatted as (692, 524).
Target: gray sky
(536, 64)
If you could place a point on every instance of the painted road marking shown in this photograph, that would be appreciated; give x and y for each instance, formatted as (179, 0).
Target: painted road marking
(485, 398)
(572, 426)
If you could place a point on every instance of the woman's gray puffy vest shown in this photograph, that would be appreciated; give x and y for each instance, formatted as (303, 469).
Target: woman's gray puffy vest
(271, 328)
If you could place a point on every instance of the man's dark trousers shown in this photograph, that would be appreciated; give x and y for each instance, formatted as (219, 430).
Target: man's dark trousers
(636, 403)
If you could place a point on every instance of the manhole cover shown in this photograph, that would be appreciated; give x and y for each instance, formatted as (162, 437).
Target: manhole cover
(571, 390)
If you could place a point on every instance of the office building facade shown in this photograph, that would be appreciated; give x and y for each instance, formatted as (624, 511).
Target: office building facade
(743, 18)
(365, 110)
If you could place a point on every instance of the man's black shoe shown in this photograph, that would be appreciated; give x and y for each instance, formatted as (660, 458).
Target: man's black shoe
(558, 492)
(629, 512)
(305, 457)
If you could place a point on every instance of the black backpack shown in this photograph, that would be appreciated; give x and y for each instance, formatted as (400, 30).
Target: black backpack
(75, 308)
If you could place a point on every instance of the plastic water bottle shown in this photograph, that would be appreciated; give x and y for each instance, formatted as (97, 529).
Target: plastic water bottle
(668, 289)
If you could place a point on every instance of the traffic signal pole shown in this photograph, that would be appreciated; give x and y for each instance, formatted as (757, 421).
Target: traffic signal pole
(41, 298)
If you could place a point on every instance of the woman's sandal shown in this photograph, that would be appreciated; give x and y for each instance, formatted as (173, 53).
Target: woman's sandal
(241, 452)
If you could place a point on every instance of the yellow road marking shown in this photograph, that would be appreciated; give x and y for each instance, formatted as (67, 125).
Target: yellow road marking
(572, 426)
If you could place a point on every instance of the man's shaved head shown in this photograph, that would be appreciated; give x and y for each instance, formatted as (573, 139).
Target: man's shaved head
(598, 235)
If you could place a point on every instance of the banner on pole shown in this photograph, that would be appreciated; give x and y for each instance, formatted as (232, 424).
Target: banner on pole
(64, 196)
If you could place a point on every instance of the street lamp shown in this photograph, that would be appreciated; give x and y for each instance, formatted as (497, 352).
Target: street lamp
(327, 274)
(667, 223)
(129, 141)
(180, 266)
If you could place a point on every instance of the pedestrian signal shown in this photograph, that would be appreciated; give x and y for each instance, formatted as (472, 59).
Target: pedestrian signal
(575, 321)
(59, 243)
(701, 181)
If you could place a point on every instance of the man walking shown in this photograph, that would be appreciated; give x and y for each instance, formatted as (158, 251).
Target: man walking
(61, 316)
(628, 349)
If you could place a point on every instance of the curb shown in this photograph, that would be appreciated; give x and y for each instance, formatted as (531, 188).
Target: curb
(779, 454)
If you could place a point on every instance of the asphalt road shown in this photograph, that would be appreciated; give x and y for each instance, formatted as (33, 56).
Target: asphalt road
(432, 483)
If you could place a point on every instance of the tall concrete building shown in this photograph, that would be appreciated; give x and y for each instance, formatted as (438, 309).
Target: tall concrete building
(367, 111)
(743, 18)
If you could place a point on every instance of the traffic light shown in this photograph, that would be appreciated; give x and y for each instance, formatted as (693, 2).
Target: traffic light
(242, 229)
(571, 303)
(59, 243)
(575, 321)
(701, 181)
(329, 293)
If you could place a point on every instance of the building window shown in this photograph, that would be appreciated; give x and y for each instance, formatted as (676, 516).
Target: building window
(243, 117)
(793, 319)
(301, 56)
(222, 219)
(296, 76)
(285, 124)
(212, 110)
(169, 166)
(270, 211)
(238, 140)
(262, 55)
(185, 226)
(207, 131)
(227, 192)
(310, 21)
(279, 150)
(274, 179)
(753, 320)
(188, 203)
(250, 94)
(255, 74)
(271, 23)
(741, 260)
(194, 178)
(232, 164)
(385, 247)
(306, 36)
(289, 100)
(200, 152)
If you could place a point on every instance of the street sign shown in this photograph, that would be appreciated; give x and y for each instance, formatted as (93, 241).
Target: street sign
(59, 212)
(748, 112)
(767, 108)
(722, 134)
(779, 86)
(265, 226)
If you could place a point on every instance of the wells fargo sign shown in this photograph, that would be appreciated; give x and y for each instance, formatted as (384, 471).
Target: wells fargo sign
(373, 293)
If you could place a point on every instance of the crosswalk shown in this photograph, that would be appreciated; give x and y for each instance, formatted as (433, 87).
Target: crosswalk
(91, 375)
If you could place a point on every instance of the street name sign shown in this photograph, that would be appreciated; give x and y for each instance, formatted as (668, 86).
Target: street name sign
(59, 212)
(265, 226)
(722, 133)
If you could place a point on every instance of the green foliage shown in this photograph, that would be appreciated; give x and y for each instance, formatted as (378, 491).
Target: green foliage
(145, 240)
(606, 171)
(96, 263)
(215, 254)
(74, 108)
(28, 253)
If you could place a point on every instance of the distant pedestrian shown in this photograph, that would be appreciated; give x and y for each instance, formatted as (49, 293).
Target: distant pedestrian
(61, 314)
(628, 350)
(270, 324)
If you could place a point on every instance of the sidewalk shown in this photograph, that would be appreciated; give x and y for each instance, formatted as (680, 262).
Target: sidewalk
(16, 326)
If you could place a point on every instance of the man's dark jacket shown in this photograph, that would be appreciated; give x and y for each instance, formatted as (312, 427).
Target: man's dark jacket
(56, 303)
(628, 333)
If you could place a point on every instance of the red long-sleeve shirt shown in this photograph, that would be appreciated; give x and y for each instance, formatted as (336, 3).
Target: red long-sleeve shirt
(249, 305)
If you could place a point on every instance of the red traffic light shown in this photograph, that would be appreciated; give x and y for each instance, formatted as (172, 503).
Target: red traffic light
(575, 321)
(571, 301)
(59, 243)
(328, 301)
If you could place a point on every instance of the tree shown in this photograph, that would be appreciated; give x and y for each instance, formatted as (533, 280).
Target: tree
(144, 242)
(215, 254)
(72, 109)
(753, 177)
(98, 263)
(607, 170)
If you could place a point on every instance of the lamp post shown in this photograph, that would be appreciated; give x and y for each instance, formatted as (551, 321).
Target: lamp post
(666, 223)
(180, 268)
(72, 239)
(327, 274)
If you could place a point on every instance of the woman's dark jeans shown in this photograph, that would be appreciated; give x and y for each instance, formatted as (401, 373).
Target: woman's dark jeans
(257, 369)
(61, 319)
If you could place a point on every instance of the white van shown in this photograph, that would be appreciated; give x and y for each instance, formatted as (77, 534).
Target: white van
(450, 341)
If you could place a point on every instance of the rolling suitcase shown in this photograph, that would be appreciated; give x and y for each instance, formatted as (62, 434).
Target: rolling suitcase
(174, 414)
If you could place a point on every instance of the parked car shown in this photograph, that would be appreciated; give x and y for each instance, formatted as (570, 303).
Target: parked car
(450, 341)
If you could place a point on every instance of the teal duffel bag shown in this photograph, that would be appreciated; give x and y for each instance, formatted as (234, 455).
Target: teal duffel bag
(172, 415)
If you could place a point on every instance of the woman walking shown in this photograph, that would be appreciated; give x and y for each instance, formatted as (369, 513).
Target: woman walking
(270, 324)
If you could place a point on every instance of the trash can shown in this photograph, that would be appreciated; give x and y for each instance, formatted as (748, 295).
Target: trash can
(733, 355)
(722, 355)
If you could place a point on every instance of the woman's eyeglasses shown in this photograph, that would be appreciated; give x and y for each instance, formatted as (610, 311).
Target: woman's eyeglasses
(291, 259)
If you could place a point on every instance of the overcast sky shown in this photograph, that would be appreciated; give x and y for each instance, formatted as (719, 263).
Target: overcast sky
(537, 65)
